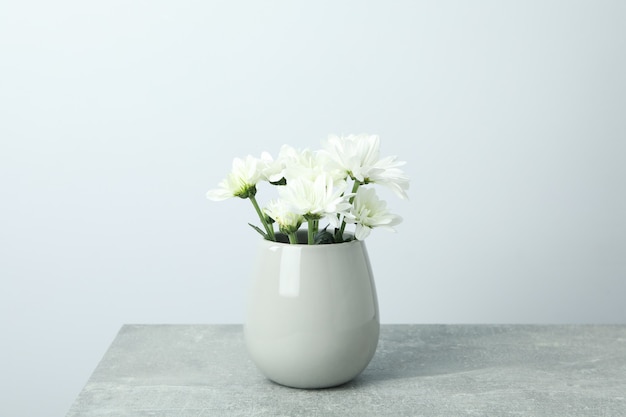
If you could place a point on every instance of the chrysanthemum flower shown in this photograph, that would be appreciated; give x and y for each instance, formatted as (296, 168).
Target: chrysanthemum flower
(368, 212)
(272, 170)
(288, 221)
(316, 199)
(307, 164)
(358, 157)
(240, 182)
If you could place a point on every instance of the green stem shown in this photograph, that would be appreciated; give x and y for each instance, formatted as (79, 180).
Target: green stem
(268, 228)
(293, 239)
(313, 224)
(339, 234)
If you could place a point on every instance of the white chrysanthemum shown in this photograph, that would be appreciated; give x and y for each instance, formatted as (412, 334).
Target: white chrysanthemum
(272, 170)
(307, 164)
(288, 221)
(358, 157)
(369, 212)
(354, 154)
(240, 182)
(386, 172)
(316, 199)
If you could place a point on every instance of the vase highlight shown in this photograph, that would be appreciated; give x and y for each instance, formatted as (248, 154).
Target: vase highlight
(312, 313)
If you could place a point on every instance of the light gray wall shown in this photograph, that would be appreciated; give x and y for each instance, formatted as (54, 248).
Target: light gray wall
(116, 117)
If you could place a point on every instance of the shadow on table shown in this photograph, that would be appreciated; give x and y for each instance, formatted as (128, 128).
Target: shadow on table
(409, 352)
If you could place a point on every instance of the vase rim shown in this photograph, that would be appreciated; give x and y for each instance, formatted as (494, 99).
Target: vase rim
(302, 235)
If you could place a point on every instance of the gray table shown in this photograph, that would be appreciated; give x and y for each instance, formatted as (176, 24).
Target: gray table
(418, 370)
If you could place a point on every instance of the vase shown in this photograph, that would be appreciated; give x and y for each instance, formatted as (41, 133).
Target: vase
(312, 312)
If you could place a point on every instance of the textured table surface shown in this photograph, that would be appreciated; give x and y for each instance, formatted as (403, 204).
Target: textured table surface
(418, 370)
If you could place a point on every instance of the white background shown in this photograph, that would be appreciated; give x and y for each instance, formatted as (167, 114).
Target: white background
(116, 117)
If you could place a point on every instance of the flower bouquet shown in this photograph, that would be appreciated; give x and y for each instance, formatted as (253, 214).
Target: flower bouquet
(331, 184)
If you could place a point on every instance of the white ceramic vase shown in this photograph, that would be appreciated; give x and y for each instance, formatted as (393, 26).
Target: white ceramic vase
(312, 313)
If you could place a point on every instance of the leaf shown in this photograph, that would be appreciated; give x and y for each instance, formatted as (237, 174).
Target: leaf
(323, 237)
(259, 230)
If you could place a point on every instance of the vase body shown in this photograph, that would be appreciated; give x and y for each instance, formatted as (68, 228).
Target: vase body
(312, 313)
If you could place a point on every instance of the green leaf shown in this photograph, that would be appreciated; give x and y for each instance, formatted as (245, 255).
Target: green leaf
(323, 237)
(258, 230)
